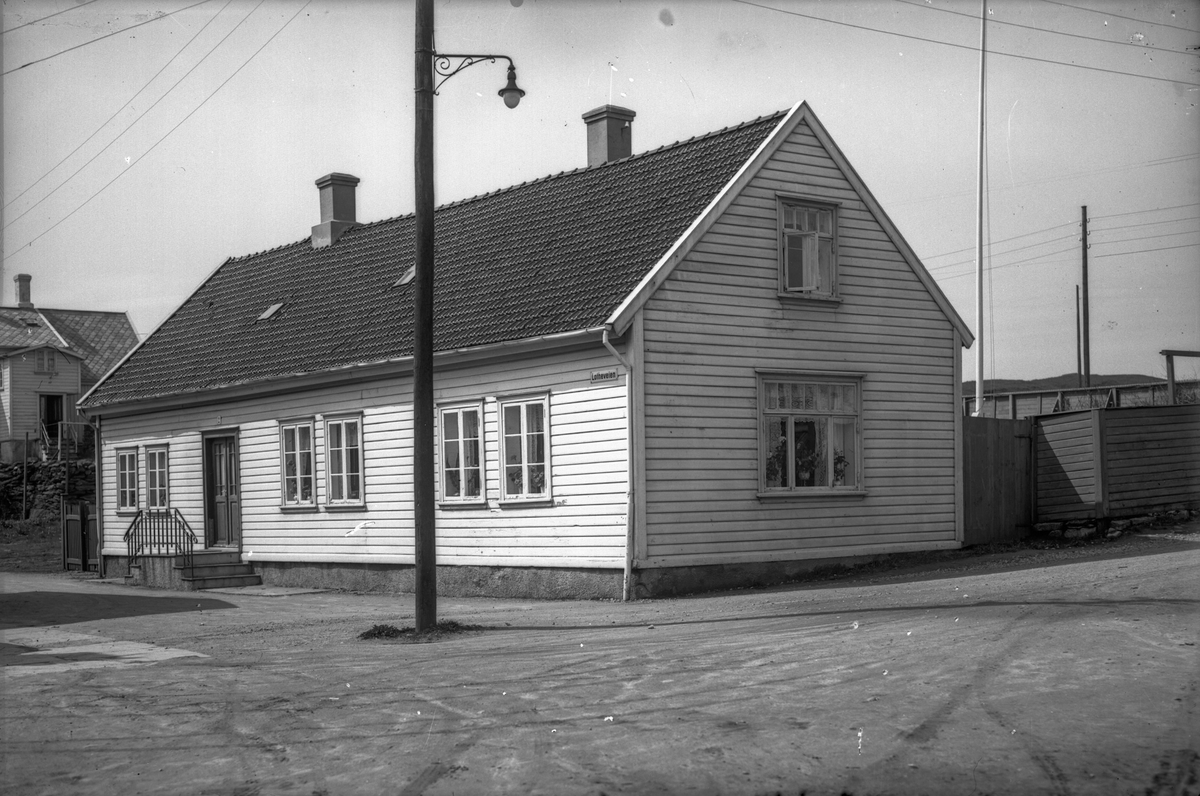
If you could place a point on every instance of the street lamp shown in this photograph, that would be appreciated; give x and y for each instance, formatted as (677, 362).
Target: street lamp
(427, 62)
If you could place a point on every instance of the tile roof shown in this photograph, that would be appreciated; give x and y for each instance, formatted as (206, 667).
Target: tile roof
(554, 255)
(100, 339)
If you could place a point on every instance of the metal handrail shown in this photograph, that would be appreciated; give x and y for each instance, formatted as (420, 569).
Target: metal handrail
(159, 530)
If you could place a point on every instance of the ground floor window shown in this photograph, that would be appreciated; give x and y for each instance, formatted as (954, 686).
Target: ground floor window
(296, 446)
(462, 453)
(157, 496)
(344, 460)
(127, 480)
(524, 448)
(809, 432)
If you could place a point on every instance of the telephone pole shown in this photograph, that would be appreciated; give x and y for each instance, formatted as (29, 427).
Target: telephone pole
(1085, 329)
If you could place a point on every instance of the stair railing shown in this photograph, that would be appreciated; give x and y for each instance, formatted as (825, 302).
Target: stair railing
(159, 532)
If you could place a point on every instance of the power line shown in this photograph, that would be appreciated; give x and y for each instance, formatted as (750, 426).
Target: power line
(1146, 251)
(1145, 237)
(1006, 253)
(1149, 224)
(1047, 30)
(43, 19)
(1068, 176)
(1013, 265)
(105, 36)
(1155, 210)
(1005, 240)
(1118, 16)
(141, 115)
(115, 114)
(964, 46)
(168, 133)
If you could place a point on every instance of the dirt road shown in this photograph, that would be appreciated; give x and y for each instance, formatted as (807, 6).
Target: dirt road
(1067, 672)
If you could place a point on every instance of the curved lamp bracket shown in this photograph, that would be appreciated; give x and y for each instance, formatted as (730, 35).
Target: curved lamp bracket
(443, 64)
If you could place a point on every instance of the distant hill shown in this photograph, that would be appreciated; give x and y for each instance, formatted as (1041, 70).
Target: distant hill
(1067, 381)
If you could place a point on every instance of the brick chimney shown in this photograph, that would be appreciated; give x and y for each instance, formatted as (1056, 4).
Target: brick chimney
(609, 134)
(23, 281)
(337, 208)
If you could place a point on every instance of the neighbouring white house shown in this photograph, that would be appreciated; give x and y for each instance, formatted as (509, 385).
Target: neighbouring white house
(48, 359)
(714, 364)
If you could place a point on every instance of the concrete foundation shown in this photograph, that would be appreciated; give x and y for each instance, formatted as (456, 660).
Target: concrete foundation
(536, 583)
(677, 581)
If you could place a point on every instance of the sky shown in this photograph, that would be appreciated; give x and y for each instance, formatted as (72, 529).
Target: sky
(145, 143)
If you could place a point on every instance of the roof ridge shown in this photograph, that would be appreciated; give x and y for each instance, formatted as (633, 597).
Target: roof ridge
(538, 180)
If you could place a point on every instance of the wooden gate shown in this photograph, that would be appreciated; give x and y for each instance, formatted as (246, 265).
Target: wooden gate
(997, 480)
(80, 540)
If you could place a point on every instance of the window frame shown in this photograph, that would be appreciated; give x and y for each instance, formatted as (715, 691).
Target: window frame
(122, 491)
(458, 408)
(547, 495)
(782, 203)
(295, 426)
(46, 361)
(330, 476)
(164, 479)
(792, 490)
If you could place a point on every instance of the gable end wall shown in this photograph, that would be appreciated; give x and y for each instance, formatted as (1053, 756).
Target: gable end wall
(718, 317)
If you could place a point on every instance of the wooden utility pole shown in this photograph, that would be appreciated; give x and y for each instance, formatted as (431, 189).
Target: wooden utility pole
(1085, 329)
(424, 537)
(1078, 342)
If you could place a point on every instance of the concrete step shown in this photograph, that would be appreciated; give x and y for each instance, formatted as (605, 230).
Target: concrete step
(207, 570)
(221, 582)
(211, 557)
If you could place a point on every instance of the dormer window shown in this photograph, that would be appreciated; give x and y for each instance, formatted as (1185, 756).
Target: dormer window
(46, 362)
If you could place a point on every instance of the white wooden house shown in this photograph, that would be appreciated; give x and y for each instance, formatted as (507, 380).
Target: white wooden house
(717, 363)
(48, 359)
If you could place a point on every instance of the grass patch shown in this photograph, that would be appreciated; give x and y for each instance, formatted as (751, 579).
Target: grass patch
(441, 630)
(30, 546)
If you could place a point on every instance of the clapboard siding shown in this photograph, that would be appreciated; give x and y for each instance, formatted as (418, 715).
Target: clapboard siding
(718, 318)
(23, 384)
(1153, 457)
(584, 526)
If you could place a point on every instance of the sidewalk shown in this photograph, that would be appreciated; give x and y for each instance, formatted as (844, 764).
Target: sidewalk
(1053, 672)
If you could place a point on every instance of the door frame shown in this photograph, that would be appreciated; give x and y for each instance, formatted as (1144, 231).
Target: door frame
(206, 438)
(62, 410)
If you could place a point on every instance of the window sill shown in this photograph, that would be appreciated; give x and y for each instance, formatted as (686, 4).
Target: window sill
(453, 505)
(800, 298)
(512, 503)
(293, 508)
(345, 507)
(127, 512)
(812, 493)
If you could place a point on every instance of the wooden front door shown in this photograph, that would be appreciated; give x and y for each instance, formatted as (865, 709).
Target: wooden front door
(223, 512)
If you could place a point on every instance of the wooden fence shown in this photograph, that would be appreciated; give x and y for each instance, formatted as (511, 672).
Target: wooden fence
(997, 480)
(1117, 462)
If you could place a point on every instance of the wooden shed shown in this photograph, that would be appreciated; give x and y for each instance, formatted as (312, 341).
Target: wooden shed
(713, 364)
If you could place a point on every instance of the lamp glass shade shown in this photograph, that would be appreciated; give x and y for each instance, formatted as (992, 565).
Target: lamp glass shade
(512, 93)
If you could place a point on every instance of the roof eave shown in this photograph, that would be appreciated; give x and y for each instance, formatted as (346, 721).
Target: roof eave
(356, 372)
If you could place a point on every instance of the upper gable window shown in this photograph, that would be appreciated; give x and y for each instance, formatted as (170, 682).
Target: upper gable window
(807, 249)
(47, 362)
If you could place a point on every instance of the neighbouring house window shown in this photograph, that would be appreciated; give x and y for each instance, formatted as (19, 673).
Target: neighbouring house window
(296, 445)
(808, 249)
(156, 478)
(46, 361)
(462, 453)
(127, 480)
(524, 447)
(810, 433)
(343, 460)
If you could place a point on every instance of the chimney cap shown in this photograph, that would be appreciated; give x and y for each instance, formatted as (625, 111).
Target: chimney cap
(613, 111)
(337, 178)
